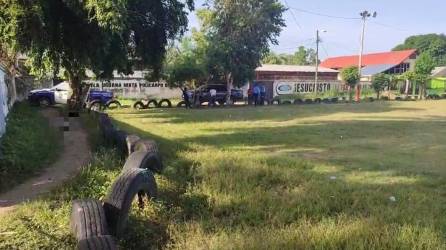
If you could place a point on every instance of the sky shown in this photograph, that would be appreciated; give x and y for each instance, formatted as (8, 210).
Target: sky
(396, 20)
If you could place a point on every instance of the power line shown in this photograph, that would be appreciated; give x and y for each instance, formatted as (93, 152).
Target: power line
(292, 14)
(325, 50)
(390, 27)
(324, 15)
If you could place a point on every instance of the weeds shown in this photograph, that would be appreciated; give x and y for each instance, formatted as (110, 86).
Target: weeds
(28, 145)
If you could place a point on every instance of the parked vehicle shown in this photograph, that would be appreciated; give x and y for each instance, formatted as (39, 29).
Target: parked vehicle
(202, 94)
(59, 94)
(100, 99)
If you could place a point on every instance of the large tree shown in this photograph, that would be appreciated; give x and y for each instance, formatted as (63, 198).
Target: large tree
(351, 78)
(303, 56)
(423, 69)
(103, 35)
(380, 82)
(433, 44)
(240, 33)
(187, 62)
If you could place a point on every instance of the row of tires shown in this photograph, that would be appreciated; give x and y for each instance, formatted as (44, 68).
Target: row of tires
(152, 103)
(312, 101)
(96, 224)
(97, 106)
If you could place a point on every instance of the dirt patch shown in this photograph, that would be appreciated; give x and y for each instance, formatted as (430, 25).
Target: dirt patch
(76, 153)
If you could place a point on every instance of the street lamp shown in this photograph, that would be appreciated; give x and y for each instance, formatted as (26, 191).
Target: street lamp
(318, 40)
(364, 16)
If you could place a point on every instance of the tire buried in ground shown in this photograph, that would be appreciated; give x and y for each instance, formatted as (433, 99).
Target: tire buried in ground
(114, 104)
(120, 141)
(298, 101)
(152, 104)
(88, 219)
(181, 104)
(105, 242)
(146, 146)
(165, 103)
(130, 184)
(144, 160)
(131, 141)
(95, 106)
(139, 105)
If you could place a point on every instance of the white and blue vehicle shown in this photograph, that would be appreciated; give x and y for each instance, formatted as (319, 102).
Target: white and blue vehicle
(59, 94)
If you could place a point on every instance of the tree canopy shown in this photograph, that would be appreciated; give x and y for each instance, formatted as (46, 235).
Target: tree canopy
(380, 82)
(303, 56)
(103, 36)
(432, 44)
(240, 33)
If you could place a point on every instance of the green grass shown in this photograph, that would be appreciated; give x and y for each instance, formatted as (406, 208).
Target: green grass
(247, 178)
(28, 145)
(261, 178)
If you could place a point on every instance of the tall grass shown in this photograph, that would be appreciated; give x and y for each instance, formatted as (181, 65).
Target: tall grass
(28, 145)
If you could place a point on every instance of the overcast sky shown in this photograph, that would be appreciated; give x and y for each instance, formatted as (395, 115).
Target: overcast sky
(396, 20)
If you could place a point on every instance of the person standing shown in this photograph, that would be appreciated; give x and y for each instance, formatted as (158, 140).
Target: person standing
(213, 96)
(262, 94)
(256, 94)
(186, 97)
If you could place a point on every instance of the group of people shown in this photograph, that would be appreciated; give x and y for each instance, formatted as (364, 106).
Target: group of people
(258, 94)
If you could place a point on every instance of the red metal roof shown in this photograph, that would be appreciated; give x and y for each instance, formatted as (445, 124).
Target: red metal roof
(393, 57)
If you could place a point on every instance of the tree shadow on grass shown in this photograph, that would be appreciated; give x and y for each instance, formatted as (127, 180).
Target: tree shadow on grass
(256, 197)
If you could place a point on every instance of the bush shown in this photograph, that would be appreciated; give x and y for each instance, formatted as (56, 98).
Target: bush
(28, 145)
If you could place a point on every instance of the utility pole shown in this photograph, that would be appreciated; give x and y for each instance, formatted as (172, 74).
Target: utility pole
(316, 76)
(364, 15)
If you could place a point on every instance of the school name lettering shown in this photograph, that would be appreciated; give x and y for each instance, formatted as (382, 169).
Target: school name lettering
(126, 85)
(309, 87)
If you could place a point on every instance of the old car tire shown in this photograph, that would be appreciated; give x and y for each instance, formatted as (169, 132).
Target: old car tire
(129, 184)
(105, 242)
(298, 101)
(146, 146)
(120, 141)
(181, 104)
(95, 106)
(131, 141)
(165, 101)
(144, 160)
(308, 101)
(139, 105)
(114, 104)
(44, 102)
(88, 219)
(152, 104)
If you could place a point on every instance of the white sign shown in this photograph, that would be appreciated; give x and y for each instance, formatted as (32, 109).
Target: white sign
(304, 87)
(136, 88)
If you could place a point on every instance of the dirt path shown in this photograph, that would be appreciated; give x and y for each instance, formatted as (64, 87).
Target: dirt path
(76, 153)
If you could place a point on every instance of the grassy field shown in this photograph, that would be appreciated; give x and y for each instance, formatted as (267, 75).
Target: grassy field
(367, 176)
(28, 145)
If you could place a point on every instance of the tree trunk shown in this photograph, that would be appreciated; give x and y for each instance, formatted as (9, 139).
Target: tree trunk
(75, 101)
(377, 95)
(350, 94)
(229, 85)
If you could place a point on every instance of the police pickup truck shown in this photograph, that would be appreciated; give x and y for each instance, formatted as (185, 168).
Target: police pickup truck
(59, 94)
